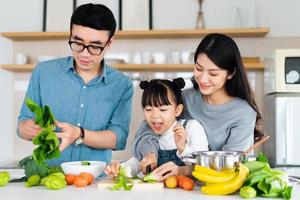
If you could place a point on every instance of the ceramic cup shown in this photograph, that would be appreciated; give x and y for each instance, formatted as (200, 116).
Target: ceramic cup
(159, 58)
(175, 57)
(137, 58)
(187, 57)
(21, 58)
(147, 57)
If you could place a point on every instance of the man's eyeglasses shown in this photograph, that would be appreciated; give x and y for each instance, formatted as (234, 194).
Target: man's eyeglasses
(92, 49)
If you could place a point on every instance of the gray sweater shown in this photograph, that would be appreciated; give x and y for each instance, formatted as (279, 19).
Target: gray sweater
(228, 126)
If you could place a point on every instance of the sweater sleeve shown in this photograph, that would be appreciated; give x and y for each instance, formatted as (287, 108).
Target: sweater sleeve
(145, 142)
(134, 165)
(241, 136)
(196, 139)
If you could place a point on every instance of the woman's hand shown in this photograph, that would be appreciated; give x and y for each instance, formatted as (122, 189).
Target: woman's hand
(166, 170)
(67, 135)
(149, 159)
(112, 169)
(28, 129)
(180, 137)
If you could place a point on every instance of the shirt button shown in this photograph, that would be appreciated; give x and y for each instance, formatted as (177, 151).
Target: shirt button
(84, 87)
(78, 124)
(81, 105)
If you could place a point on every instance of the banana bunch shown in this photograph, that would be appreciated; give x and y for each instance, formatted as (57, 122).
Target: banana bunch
(221, 183)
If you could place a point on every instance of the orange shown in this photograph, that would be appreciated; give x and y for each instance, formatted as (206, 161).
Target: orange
(171, 182)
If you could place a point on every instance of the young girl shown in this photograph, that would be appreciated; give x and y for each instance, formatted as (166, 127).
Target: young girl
(173, 138)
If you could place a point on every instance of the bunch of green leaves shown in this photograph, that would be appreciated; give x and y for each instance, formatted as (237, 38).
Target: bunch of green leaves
(31, 167)
(47, 141)
(123, 179)
(266, 181)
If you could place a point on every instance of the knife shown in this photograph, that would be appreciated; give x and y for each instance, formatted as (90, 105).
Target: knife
(148, 169)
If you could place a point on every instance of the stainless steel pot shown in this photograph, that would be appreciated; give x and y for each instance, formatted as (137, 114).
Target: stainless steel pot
(217, 160)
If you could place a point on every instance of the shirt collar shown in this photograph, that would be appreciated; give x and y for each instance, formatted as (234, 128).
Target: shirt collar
(70, 66)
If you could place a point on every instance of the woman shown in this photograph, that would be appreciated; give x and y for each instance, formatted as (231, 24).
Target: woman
(221, 100)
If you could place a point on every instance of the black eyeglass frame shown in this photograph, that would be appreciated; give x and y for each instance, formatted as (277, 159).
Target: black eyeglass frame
(88, 46)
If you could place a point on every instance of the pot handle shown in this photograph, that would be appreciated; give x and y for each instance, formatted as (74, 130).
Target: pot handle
(187, 159)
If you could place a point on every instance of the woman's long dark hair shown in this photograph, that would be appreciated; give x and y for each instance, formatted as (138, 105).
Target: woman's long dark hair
(223, 51)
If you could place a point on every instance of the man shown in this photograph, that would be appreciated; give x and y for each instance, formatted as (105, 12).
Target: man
(90, 100)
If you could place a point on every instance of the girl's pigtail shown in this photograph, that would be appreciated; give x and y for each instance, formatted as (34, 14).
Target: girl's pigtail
(179, 82)
(144, 84)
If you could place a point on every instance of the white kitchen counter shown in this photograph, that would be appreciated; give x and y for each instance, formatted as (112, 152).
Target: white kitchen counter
(15, 191)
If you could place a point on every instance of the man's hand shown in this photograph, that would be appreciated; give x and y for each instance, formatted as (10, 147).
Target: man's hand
(28, 129)
(67, 135)
(180, 137)
(149, 159)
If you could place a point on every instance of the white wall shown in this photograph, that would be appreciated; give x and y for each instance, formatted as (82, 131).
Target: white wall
(15, 15)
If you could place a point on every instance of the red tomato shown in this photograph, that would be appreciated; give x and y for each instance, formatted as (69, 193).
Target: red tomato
(80, 182)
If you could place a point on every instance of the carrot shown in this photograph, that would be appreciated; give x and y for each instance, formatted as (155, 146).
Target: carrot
(185, 182)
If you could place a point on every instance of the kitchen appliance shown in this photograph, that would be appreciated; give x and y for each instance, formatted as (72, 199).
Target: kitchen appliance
(282, 71)
(282, 110)
(282, 123)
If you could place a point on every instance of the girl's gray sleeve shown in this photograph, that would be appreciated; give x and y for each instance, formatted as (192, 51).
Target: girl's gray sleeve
(145, 141)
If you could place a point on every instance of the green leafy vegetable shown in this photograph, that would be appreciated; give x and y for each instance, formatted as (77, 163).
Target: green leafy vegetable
(266, 181)
(4, 178)
(125, 171)
(47, 141)
(31, 167)
(124, 180)
(255, 165)
(150, 177)
(262, 157)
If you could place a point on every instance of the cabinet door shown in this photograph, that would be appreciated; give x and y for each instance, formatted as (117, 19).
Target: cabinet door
(292, 130)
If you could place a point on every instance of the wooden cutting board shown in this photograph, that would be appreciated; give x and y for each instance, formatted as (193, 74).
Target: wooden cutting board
(104, 183)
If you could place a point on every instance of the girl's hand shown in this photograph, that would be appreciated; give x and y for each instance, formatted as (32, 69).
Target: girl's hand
(149, 159)
(166, 170)
(112, 169)
(180, 137)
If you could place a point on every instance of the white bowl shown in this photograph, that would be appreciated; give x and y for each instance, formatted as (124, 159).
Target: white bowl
(95, 168)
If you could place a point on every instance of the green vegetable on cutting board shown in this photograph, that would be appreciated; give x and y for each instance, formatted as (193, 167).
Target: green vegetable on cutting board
(4, 178)
(150, 177)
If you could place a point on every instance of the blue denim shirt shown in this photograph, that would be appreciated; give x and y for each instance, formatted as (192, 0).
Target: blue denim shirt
(102, 104)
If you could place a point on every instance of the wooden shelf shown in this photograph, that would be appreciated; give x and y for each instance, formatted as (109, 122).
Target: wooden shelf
(151, 34)
(137, 67)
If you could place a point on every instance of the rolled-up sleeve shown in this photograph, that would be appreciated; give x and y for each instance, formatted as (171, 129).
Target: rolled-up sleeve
(33, 92)
(119, 123)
